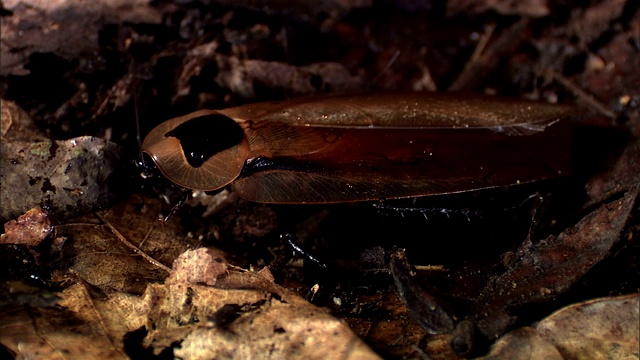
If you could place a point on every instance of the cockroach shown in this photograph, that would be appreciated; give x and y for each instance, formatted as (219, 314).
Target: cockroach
(346, 148)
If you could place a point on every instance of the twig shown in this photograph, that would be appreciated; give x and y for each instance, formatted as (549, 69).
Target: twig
(390, 63)
(485, 58)
(482, 44)
(582, 95)
(136, 249)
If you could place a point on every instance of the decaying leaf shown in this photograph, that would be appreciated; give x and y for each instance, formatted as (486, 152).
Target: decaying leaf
(245, 315)
(30, 229)
(552, 266)
(425, 308)
(532, 8)
(81, 326)
(523, 344)
(201, 266)
(67, 28)
(622, 175)
(604, 328)
(172, 57)
(17, 125)
(112, 251)
(252, 78)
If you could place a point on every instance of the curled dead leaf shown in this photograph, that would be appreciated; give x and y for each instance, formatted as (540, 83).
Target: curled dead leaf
(245, 315)
(604, 328)
(30, 229)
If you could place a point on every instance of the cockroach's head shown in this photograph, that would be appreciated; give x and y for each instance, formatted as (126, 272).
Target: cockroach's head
(152, 181)
(147, 170)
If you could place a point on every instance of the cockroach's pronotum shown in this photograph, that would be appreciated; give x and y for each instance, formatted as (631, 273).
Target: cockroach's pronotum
(345, 148)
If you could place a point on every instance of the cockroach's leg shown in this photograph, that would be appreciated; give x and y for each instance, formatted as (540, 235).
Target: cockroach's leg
(292, 249)
(424, 212)
(422, 306)
(183, 198)
(289, 242)
(536, 215)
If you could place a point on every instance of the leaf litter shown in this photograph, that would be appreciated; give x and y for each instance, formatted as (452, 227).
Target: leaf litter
(80, 290)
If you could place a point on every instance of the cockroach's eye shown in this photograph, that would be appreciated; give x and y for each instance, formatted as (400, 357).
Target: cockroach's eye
(146, 167)
(202, 151)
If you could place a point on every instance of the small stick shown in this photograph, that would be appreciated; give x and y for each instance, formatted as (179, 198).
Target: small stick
(485, 57)
(429, 267)
(582, 95)
(135, 249)
(390, 63)
(482, 44)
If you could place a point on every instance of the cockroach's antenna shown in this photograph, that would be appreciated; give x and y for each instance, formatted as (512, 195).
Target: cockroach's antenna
(140, 162)
(146, 170)
(137, 116)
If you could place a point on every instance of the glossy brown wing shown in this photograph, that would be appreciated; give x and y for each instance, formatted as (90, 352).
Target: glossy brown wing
(363, 147)
(371, 156)
(402, 110)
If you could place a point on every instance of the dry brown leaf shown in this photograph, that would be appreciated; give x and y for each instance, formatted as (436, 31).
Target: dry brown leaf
(523, 344)
(621, 175)
(253, 318)
(78, 328)
(244, 316)
(589, 24)
(247, 77)
(302, 9)
(102, 258)
(30, 229)
(138, 221)
(551, 267)
(17, 125)
(532, 8)
(68, 28)
(604, 328)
